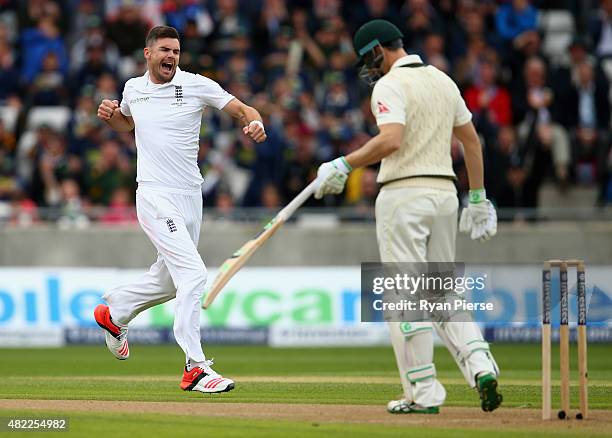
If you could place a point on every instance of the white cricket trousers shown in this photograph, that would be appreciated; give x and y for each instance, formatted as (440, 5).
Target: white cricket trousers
(419, 224)
(171, 218)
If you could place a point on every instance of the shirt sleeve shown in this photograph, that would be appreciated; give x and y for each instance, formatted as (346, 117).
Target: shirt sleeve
(388, 104)
(124, 106)
(462, 113)
(212, 94)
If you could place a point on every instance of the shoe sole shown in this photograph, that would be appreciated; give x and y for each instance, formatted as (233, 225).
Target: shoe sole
(106, 335)
(228, 388)
(429, 411)
(490, 398)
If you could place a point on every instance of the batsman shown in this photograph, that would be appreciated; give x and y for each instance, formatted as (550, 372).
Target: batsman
(418, 108)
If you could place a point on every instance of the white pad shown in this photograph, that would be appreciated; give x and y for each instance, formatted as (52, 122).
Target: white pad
(471, 352)
(414, 328)
(413, 347)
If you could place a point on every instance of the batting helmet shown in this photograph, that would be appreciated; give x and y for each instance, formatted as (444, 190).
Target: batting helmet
(369, 36)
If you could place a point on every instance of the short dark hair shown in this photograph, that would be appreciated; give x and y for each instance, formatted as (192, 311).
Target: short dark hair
(161, 32)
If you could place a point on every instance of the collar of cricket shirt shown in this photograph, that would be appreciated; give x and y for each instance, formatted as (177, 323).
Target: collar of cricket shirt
(174, 80)
(408, 59)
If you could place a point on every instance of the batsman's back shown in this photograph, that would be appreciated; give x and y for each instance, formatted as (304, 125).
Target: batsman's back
(433, 106)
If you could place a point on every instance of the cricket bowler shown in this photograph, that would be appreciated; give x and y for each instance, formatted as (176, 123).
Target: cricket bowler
(164, 108)
(418, 108)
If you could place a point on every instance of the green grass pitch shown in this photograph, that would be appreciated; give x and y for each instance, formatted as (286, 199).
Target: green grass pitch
(350, 378)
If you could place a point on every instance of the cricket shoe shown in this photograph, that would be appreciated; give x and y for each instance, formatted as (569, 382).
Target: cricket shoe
(205, 379)
(116, 337)
(490, 399)
(403, 407)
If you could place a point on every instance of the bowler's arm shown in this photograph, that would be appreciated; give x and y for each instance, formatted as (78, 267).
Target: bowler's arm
(249, 117)
(472, 153)
(109, 112)
(387, 141)
(120, 122)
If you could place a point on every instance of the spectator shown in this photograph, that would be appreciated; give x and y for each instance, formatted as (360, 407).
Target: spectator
(151, 9)
(296, 60)
(515, 18)
(273, 16)
(94, 66)
(301, 167)
(9, 78)
(26, 210)
(48, 87)
(30, 13)
(590, 120)
(121, 210)
(420, 19)
(54, 164)
(106, 88)
(8, 167)
(72, 214)
(275, 61)
(545, 141)
(486, 99)
(94, 36)
(434, 52)
(362, 188)
(589, 147)
(87, 15)
(473, 20)
(110, 170)
(128, 30)
(527, 46)
(467, 66)
(326, 9)
(84, 126)
(36, 43)
(316, 56)
(178, 13)
(337, 99)
(506, 170)
(601, 29)
(563, 76)
(589, 103)
(229, 23)
(270, 197)
(193, 50)
(224, 203)
(605, 176)
(375, 9)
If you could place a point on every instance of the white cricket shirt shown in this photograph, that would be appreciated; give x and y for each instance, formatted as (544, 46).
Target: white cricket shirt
(429, 104)
(167, 119)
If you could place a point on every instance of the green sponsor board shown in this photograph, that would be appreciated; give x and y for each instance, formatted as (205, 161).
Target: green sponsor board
(260, 307)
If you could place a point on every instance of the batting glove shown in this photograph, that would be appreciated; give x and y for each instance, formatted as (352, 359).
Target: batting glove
(331, 177)
(479, 218)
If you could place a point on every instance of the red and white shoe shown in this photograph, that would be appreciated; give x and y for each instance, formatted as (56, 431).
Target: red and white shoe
(205, 379)
(116, 337)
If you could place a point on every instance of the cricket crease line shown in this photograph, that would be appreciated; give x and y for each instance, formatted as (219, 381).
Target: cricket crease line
(302, 379)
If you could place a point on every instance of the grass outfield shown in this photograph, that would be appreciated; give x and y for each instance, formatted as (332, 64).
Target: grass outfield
(299, 379)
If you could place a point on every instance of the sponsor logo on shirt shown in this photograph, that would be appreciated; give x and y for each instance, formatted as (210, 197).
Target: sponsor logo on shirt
(382, 108)
(139, 100)
(171, 225)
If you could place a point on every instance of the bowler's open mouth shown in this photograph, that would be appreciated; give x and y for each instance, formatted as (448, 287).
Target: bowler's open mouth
(167, 67)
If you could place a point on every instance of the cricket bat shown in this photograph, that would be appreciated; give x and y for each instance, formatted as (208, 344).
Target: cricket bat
(233, 264)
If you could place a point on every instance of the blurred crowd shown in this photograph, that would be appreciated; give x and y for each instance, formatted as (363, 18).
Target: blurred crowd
(535, 78)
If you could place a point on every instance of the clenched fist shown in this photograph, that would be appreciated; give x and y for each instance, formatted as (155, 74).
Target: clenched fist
(107, 108)
(255, 131)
